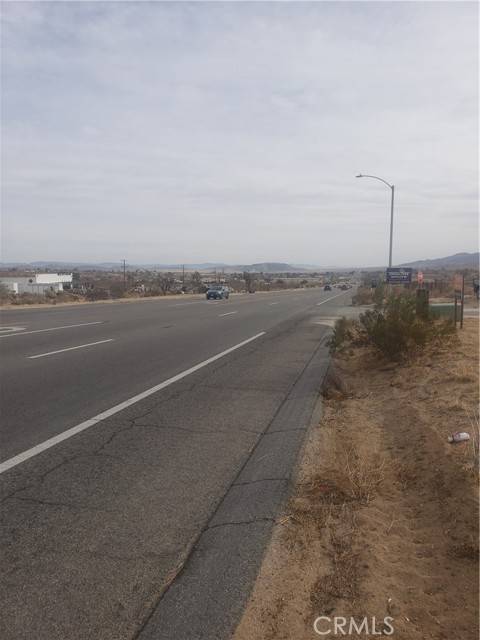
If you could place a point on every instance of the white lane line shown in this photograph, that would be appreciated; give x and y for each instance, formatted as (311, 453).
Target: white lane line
(80, 346)
(67, 326)
(332, 298)
(230, 313)
(51, 442)
(272, 303)
(4, 330)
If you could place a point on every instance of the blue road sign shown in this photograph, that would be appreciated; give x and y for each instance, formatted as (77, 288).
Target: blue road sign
(399, 275)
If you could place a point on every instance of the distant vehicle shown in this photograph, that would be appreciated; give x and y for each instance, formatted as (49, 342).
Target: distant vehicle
(344, 287)
(327, 287)
(217, 292)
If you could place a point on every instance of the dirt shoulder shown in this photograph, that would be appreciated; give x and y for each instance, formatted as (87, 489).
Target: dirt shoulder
(78, 303)
(384, 518)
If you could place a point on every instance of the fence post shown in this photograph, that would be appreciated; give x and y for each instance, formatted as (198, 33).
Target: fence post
(462, 301)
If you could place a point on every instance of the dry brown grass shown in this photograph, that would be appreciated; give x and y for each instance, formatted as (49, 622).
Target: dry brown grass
(364, 474)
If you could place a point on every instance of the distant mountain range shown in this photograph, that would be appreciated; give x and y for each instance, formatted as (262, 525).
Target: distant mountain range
(264, 267)
(457, 261)
(106, 266)
(268, 267)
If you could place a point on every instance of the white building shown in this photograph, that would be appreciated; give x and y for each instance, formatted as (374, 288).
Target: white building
(38, 283)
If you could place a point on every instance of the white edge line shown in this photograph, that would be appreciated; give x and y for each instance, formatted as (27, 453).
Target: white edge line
(80, 346)
(67, 326)
(230, 313)
(51, 442)
(332, 298)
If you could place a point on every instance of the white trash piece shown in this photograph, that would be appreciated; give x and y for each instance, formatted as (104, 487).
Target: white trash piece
(459, 436)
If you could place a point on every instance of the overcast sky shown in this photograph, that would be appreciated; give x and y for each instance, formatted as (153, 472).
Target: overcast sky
(187, 132)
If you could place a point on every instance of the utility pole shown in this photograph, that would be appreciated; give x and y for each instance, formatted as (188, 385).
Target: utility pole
(183, 276)
(124, 276)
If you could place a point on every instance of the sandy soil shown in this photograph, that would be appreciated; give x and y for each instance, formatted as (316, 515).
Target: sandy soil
(384, 519)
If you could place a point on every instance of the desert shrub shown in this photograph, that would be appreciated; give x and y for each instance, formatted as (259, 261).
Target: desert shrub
(51, 296)
(5, 293)
(117, 289)
(364, 295)
(29, 298)
(342, 334)
(396, 330)
(393, 328)
(97, 294)
(379, 295)
(66, 296)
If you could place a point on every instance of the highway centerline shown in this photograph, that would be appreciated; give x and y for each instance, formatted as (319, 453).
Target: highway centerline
(230, 313)
(67, 326)
(65, 435)
(80, 346)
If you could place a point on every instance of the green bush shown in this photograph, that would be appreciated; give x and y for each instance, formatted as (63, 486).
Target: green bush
(364, 295)
(393, 328)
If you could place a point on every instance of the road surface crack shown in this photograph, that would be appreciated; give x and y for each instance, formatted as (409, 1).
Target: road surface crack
(67, 505)
(243, 484)
(240, 522)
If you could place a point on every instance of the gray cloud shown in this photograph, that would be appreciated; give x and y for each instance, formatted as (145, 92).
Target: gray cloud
(136, 129)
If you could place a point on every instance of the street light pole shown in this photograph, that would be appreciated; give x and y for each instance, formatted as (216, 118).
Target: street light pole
(392, 188)
(391, 228)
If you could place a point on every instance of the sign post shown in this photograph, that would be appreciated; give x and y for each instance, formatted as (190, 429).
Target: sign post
(463, 302)
(459, 286)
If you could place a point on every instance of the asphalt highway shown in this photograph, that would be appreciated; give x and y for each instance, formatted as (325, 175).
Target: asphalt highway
(128, 443)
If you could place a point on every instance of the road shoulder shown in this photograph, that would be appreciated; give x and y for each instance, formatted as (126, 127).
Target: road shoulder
(383, 521)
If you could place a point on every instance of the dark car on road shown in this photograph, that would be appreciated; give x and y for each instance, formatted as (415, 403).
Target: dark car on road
(327, 287)
(217, 292)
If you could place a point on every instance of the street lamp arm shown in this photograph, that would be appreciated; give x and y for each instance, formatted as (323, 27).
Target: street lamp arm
(365, 175)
